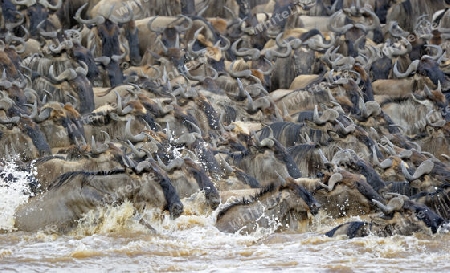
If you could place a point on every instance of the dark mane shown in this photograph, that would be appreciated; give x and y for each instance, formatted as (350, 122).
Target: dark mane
(286, 132)
(66, 177)
(47, 158)
(395, 100)
(308, 154)
(246, 201)
(438, 201)
(247, 179)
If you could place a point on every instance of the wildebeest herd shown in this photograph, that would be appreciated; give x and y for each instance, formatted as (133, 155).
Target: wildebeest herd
(318, 105)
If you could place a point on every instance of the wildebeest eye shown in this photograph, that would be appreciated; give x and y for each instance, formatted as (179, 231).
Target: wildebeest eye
(319, 175)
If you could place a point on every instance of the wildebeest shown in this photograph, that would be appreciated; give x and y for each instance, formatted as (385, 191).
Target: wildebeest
(105, 37)
(276, 207)
(81, 88)
(76, 193)
(36, 12)
(406, 12)
(200, 113)
(401, 216)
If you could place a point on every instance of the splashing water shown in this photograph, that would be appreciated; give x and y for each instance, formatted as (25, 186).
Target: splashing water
(14, 190)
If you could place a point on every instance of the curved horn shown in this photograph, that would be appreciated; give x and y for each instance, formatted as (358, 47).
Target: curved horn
(68, 74)
(202, 78)
(44, 115)
(267, 142)
(247, 73)
(135, 151)
(133, 138)
(345, 130)
(268, 70)
(82, 70)
(424, 168)
(253, 52)
(333, 180)
(98, 149)
(6, 103)
(181, 29)
(391, 51)
(118, 58)
(103, 60)
(319, 45)
(21, 42)
(242, 93)
(395, 204)
(177, 162)
(47, 34)
(427, 91)
(97, 20)
(227, 43)
(56, 49)
(5, 84)
(34, 111)
(396, 31)
(193, 53)
(332, 24)
(327, 115)
(412, 68)
(375, 20)
(322, 156)
(158, 39)
(156, 30)
(375, 160)
(387, 163)
(440, 121)
(439, 87)
(27, 3)
(15, 119)
(405, 172)
(343, 63)
(438, 49)
(47, 4)
(271, 54)
(10, 26)
(405, 154)
(123, 20)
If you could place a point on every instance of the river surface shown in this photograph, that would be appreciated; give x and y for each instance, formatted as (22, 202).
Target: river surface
(113, 240)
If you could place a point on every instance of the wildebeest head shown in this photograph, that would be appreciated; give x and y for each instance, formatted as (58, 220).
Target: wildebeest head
(132, 35)
(407, 217)
(305, 195)
(170, 41)
(353, 29)
(9, 13)
(9, 70)
(80, 85)
(113, 69)
(82, 54)
(280, 203)
(32, 130)
(108, 29)
(427, 66)
(36, 12)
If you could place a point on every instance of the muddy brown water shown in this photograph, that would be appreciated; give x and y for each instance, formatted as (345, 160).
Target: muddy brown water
(112, 240)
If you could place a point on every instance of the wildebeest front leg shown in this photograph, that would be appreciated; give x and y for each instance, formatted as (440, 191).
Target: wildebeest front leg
(351, 229)
(174, 204)
(335, 178)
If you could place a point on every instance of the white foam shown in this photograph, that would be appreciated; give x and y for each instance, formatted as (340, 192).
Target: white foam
(13, 194)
